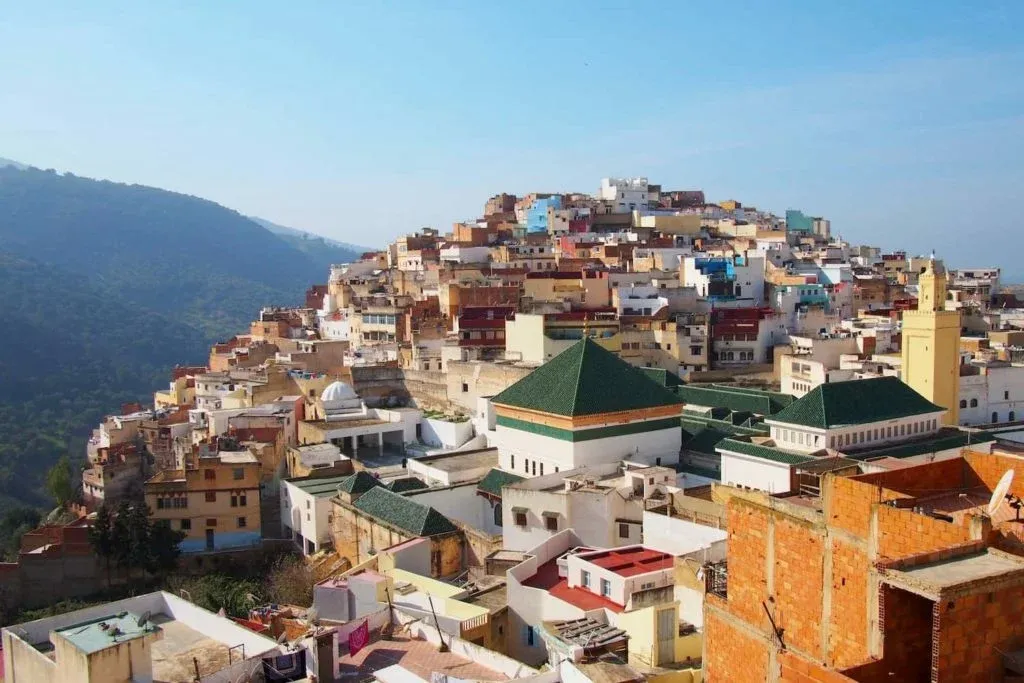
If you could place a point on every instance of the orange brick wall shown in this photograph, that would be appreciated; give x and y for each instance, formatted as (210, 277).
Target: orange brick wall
(736, 657)
(988, 469)
(971, 631)
(849, 504)
(904, 532)
(799, 556)
(924, 478)
(747, 550)
(848, 627)
(794, 669)
(907, 641)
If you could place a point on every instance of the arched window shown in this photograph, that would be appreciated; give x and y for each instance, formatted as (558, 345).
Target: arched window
(963, 404)
(995, 417)
(497, 515)
(974, 403)
(730, 356)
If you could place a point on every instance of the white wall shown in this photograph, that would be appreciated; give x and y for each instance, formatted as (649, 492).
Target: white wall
(306, 514)
(462, 503)
(757, 473)
(678, 536)
(445, 434)
(644, 447)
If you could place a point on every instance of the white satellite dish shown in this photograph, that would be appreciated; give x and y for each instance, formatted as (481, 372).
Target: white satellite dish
(999, 492)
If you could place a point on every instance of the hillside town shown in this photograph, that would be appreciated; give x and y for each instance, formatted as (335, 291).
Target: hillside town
(626, 435)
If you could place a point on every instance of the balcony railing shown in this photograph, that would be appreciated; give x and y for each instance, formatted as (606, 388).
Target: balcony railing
(716, 579)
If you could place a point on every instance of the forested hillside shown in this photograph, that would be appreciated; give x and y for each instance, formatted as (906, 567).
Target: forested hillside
(104, 288)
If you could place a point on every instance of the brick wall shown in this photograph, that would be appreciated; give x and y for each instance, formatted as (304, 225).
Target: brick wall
(737, 657)
(907, 626)
(989, 468)
(848, 504)
(925, 478)
(747, 550)
(795, 669)
(799, 557)
(972, 631)
(848, 626)
(904, 532)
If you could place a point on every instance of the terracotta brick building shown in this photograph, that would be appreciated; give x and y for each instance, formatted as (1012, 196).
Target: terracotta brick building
(895, 575)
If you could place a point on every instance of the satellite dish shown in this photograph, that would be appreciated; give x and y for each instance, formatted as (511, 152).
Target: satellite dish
(999, 492)
(144, 619)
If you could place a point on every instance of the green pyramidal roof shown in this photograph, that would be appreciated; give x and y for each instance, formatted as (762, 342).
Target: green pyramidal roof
(858, 401)
(404, 513)
(586, 379)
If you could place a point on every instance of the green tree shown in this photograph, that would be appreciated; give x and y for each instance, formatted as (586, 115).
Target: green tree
(60, 481)
(13, 525)
(163, 548)
(101, 537)
(121, 535)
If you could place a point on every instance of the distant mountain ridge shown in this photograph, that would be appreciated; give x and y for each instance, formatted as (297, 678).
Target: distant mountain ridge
(279, 229)
(10, 162)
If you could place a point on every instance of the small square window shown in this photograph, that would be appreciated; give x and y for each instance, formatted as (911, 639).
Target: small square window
(551, 523)
(238, 474)
(209, 474)
(211, 496)
(520, 518)
(623, 531)
(186, 524)
(585, 579)
(242, 522)
(465, 387)
(211, 521)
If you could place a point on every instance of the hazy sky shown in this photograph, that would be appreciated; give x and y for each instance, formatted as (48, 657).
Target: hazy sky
(903, 122)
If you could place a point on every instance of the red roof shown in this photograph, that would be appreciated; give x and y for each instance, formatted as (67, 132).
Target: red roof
(630, 561)
(547, 579)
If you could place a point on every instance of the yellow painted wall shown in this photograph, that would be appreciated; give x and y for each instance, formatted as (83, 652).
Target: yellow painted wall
(931, 346)
(642, 627)
(200, 510)
(684, 224)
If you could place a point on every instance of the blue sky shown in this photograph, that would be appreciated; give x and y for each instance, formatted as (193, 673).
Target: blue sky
(361, 121)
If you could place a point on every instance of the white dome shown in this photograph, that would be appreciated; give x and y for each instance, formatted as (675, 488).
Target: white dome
(338, 392)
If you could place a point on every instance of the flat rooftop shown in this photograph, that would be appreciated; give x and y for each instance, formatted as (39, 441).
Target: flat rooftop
(630, 561)
(335, 425)
(547, 579)
(469, 460)
(99, 634)
(322, 487)
(173, 656)
(957, 575)
(418, 656)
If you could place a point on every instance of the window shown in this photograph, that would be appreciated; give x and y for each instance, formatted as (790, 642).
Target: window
(551, 522)
(1006, 395)
(512, 462)
(242, 522)
(238, 473)
(623, 530)
(530, 637)
(209, 474)
(210, 521)
(211, 496)
(963, 404)
(542, 469)
(974, 403)
(520, 518)
(186, 524)
(497, 514)
(995, 417)
(1011, 417)
(535, 468)
(606, 587)
(159, 503)
(465, 387)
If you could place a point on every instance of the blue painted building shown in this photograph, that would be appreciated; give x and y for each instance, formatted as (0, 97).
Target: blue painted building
(537, 215)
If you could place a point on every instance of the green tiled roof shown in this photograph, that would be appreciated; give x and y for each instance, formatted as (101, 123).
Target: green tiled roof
(738, 399)
(946, 439)
(495, 479)
(360, 482)
(406, 484)
(662, 377)
(702, 434)
(403, 513)
(854, 402)
(319, 487)
(586, 379)
(764, 452)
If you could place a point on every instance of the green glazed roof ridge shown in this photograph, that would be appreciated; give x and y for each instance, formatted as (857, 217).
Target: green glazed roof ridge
(579, 373)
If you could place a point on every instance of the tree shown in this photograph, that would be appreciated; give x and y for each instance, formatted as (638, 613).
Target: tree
(163, 548)
(60, 481)
(101, 537)
(290, 581)
(13, 525)
(139, 533)
(121, 536)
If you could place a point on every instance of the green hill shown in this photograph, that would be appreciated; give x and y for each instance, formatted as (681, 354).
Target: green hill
(105, 287)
